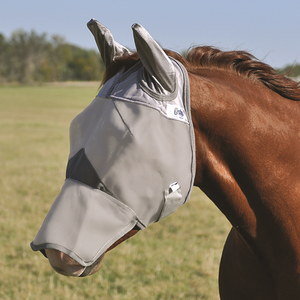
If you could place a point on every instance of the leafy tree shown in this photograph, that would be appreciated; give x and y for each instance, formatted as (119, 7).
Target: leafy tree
(84, 64)
(4, 49)
(26, 53)
(32, 57)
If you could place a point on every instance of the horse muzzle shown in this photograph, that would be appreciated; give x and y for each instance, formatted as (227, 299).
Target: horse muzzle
(67, 266)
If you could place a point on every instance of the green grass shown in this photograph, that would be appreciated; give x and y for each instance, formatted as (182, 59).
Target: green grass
(177, 258)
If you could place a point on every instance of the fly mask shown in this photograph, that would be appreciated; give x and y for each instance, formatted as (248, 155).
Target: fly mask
(132, 153)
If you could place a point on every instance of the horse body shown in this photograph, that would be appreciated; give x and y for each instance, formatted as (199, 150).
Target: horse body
(247, 141)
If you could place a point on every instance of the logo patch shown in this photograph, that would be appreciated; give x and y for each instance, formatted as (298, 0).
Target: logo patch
(176, 112)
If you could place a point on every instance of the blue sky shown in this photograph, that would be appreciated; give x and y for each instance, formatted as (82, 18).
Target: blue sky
(268, 29)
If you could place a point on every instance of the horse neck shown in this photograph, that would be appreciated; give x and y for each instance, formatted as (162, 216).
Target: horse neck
(244, 139)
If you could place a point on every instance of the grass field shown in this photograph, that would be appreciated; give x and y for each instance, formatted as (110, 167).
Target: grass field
(177, 258)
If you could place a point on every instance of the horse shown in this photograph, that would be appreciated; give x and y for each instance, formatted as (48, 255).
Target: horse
(246, 124)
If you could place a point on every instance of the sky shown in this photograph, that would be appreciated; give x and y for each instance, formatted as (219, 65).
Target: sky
(267, 29)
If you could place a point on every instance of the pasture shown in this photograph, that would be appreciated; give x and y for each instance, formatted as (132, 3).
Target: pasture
(177, 258)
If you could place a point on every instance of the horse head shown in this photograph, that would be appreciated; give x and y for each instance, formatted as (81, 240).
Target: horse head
(131, 160)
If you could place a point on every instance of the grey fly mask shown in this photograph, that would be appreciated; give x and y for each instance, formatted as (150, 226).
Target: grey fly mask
(132, 159)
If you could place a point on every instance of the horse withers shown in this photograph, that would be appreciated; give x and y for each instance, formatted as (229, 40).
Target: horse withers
(245, 129)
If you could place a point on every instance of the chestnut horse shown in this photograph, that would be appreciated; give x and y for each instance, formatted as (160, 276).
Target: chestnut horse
(246, 122)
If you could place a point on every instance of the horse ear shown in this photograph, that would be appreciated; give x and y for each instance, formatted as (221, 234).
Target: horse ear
(154, 59)
(109, 49)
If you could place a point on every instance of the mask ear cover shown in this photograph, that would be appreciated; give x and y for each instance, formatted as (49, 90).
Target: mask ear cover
(108, 47)
(154, 59)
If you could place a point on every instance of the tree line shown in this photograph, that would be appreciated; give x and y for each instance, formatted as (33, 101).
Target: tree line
(28, 57)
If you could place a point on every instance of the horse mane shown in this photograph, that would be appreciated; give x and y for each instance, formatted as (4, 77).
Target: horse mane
(240, 62)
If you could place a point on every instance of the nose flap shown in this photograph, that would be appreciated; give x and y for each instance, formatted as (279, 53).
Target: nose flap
(77, 217)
